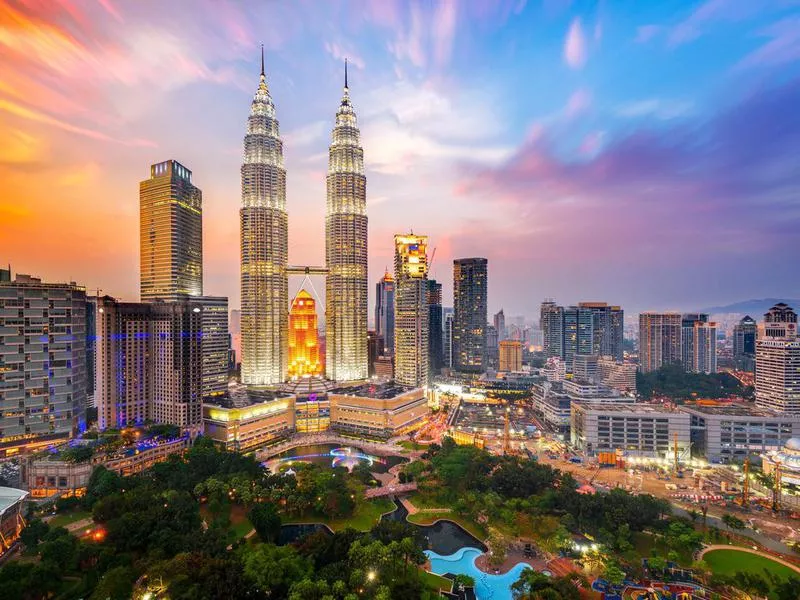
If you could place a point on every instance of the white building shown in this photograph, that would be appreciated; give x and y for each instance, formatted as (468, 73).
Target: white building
(726, 432)
(649, 430)
(778, 361)
(553, 400)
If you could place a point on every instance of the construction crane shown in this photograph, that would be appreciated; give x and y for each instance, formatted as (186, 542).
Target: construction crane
(507, 434)
(746, 484)
(776, 488)
(675, 449)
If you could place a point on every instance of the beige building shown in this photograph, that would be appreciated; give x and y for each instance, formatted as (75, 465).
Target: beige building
(778, 361)
(171, 233)
(510, 356)
(659, 340)
(615, 374)
(379, 411)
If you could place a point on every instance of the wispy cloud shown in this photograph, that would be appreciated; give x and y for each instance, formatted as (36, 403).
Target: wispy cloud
(655, 107)
(783, 47)
(575, 51)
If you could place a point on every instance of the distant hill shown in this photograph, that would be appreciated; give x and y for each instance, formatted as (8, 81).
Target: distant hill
(754, 308)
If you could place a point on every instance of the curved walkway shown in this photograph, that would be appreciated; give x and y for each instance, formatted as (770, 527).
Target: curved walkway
(767, 555)
(388, 447)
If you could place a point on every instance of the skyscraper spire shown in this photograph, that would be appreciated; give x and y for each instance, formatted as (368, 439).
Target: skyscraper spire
(345, 74)
(262, 62)
(346, 249)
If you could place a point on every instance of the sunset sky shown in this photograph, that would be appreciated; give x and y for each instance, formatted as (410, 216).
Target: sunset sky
(645, 152)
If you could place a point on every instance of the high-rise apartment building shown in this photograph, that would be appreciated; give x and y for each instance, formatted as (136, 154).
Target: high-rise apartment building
(551, 321)
(500, 325)
(744, 343)
(170, 233)
(778, 361)
(42, 362)
(91, 343)
(698, 343)
(384, 312)
(149, 363)
(447, 336)
(470, 314)
(510, 356)
(346, 250)
(435, 342)
(659, 340)
(491, 361)
(588, 328)
(304, 358)
(411, 326)
(264, 246)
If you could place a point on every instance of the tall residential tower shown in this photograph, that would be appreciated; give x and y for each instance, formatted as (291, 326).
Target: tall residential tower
(346, 250)
(264, 245)
(469, 322)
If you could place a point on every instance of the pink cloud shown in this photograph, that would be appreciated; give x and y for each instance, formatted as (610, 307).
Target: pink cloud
(443, 30)
(578, 102)
(575, 51)
(783, 47)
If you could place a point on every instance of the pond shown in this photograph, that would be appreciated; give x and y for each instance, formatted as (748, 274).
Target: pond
(332, 455)
(462, 562)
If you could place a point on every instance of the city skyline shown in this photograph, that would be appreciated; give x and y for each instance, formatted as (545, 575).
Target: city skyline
(570, 122)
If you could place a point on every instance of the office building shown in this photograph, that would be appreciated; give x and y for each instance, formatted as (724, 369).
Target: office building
(510, 356)
(551, 322)
(744, 343)
(724, 432)
(411, 311)
(698, 343)
(499, 320)
(470, 314)
(216, 344)
(384, 312)
(659, 340)
(170, 233)
(778, 361)
(447, 336)
(42, 363)
(435, 342)
(553, 398)
(264, 246)
(618, 375)
(304, 358)
(235, 329)
(642, 430)
(149, 363)
(585, 367)
(346, 250)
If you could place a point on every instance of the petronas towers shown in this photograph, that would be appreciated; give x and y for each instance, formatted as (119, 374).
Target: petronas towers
(265, 242)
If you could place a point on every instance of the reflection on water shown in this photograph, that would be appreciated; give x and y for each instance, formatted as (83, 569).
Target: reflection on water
(332, 455)
(444, 537)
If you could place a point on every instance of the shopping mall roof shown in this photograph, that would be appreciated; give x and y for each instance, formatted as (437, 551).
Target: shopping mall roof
(734, 409)
(378, 391)
(9, 497)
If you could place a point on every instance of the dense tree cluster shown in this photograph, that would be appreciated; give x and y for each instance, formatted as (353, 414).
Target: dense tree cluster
(673, 382)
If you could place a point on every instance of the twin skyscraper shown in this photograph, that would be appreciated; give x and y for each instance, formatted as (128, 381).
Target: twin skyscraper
(265, 248)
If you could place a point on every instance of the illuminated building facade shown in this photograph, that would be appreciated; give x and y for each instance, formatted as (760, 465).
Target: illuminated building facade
(304, 357)
(149, 363)
(170, 233)
(384, 312)
(551, 321)
(411, 310)
(264, 246)
(778, 361)
(42, 362)
(510, 356)
(470, 310)
(346, 250)
(659, 340)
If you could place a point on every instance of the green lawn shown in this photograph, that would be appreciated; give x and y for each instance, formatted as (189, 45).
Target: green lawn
(68, 518)
(436, 582)
(727, 562)
(409, 445)
(367, 514)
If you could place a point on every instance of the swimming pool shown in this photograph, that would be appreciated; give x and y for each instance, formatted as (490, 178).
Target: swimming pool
(487, 587)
